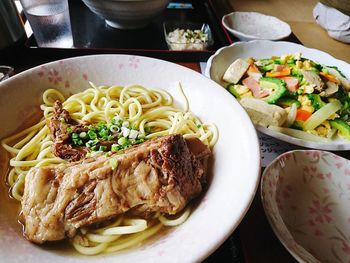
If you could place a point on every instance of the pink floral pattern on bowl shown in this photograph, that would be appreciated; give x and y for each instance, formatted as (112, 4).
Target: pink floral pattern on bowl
(306, 196)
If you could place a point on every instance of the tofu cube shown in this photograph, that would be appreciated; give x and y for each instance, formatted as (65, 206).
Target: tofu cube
(263, 113)
(236, 71)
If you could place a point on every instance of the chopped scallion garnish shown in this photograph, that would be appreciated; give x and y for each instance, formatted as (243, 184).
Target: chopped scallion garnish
(92, 134)
(102, 148)
(114, 163)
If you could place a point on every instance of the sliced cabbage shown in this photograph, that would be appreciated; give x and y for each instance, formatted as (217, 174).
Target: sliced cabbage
(292, 114)
(321, 115)
(299, 134)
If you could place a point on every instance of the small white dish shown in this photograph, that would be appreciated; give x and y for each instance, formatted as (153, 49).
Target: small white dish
(221, 60)
(252, 25)
(305, 195)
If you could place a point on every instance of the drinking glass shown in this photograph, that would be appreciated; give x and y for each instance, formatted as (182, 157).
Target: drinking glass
(50, 22)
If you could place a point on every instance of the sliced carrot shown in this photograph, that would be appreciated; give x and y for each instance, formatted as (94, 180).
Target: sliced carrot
(284, 72)
(330, 77)
(253, 68)
(303, 115)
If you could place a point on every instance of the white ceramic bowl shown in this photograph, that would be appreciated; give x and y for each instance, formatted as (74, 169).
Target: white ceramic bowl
(220, 61)
(252, 25)
(127, 14)
(306, 196)
(235, 163)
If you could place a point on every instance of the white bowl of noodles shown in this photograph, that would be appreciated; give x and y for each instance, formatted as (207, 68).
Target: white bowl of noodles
(234, 166)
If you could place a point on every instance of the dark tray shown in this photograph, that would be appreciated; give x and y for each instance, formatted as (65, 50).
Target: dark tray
(92, 35)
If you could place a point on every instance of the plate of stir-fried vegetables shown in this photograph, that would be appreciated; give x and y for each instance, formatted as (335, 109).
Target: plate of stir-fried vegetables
(290, 92)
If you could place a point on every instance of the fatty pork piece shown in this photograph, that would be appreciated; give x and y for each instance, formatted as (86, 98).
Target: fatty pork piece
(59, 124)
(159, 175)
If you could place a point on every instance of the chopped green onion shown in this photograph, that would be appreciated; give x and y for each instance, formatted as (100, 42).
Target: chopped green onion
(92, 134)
(125, 124)
(123, 141)
(114, 129)
(69, 129)
(137, 141)
(141, 136)
(125, 131)
(103, 134)
(101, 125)
(102, 148)
(115, 147)
(93, 148)
(133, 134)
(83, 135)
(74, 135)
(91, 143)
(116, 120)
(114, 163)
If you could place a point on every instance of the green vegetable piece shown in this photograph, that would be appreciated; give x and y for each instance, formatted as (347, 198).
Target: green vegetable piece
(114, 163)
(337, 69)
(114, 128)
(316, 101)
(102, 148)
(92, 134)
(115, 147)
(83, 135)
(288, 102)
(123, 141)
(233, 91)
(277, 61)
(101, 125)
(297, 125)
(267, 68)
(291, 95)
(318, 67)
(277, 86)
(103, 134)
(342, 126)
(300, 91)
(91, 143)
(297, 74)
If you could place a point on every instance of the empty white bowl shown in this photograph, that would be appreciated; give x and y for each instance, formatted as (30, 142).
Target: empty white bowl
(127, 14)
(306, 197)
(252, 25)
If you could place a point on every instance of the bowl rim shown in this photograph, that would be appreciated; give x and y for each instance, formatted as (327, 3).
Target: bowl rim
(247, 36)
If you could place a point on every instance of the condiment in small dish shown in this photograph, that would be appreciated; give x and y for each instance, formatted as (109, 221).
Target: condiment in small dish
(187, 36)
(306, 194)
(252, 25)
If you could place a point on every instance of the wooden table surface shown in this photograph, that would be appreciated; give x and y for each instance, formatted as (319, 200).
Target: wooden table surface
(298, 14)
